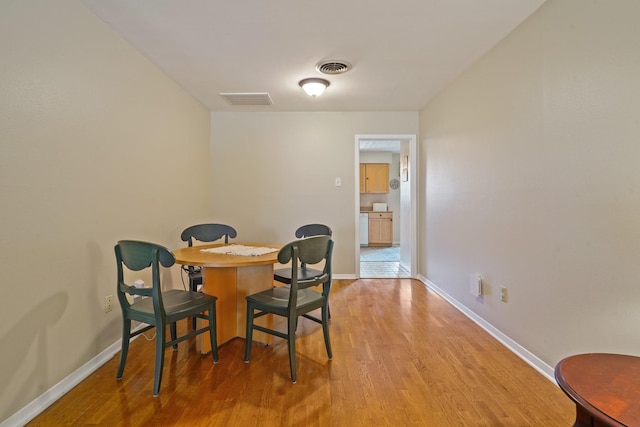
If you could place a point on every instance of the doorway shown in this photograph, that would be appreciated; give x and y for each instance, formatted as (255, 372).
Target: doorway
(398, 260)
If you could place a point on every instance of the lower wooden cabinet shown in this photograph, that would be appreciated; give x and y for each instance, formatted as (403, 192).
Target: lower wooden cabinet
(380, 228)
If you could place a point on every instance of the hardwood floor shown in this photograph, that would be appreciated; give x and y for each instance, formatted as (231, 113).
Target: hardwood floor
(402, 357)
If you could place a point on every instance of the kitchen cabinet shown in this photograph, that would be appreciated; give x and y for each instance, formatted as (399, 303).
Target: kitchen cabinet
(380, 228)
(374, 178)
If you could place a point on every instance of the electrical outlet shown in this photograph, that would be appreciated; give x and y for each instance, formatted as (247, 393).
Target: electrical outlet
(504, 295)
(108, 303)
(475, 285)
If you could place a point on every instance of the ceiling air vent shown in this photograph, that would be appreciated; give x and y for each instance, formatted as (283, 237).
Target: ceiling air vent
(333, 67)
(247, 98)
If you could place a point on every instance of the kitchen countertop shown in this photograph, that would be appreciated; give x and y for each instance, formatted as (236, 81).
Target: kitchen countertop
(369, 210)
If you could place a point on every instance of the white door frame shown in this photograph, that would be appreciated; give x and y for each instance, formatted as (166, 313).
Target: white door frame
(412, 233)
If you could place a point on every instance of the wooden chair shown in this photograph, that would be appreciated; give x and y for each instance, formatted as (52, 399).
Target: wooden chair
(297, 299)
(283, 275)
(309, 230)
(157, 308)
(203, 233)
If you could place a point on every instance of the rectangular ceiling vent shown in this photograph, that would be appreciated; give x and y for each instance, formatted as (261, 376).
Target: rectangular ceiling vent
(247, 98)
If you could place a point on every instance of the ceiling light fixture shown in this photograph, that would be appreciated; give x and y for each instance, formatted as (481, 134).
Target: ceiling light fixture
(314, 86)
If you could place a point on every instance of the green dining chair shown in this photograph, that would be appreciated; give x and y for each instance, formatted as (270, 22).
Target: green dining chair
(203, 233)
(158, 308)
(297, 299)
(283, 275)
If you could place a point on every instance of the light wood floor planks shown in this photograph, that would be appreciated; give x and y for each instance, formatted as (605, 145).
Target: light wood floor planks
(402, 357)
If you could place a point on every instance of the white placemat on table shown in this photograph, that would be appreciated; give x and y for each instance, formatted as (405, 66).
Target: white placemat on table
(240, 250)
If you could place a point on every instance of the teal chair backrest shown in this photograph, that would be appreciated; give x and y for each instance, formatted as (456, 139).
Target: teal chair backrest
(208, 233)
(310, 250)
(136, 256)
(309, 230)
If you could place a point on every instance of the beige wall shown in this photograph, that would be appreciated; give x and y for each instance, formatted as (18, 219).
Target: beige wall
(96, 145)
(276, 171)
(532, 180)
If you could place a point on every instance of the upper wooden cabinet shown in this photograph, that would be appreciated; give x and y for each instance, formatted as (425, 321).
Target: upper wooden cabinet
(374, 177)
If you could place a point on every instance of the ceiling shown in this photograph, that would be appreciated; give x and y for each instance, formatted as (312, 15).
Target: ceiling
(402, 53)
(380, 145)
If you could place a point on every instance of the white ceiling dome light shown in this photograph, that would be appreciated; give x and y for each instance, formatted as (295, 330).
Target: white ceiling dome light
(314, 86)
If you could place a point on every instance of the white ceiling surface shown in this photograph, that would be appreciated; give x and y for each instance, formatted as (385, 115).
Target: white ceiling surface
(403, 52)
(380, 145)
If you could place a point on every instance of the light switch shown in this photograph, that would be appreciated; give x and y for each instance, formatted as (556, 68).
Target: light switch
(338, 182)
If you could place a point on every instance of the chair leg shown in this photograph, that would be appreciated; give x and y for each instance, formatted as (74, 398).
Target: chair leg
(212, 332)
(325, 330)
(160, 340)
(174, 335)
(126, 337)
(248, 333)
(194, 288)
(291, 338)
(323, 292)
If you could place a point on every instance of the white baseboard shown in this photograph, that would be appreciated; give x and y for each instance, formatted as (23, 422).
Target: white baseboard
(46, 399)
(344, 276)
(524, 354)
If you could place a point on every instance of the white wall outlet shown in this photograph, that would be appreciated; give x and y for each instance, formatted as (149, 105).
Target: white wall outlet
(108, 303)
(475, 285)
(504, 295)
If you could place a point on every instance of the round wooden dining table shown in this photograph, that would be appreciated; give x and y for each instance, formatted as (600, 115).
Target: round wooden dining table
(605, 388)
(231, 278)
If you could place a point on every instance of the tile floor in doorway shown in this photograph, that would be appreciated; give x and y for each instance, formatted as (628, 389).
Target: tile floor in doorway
(378, 263)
